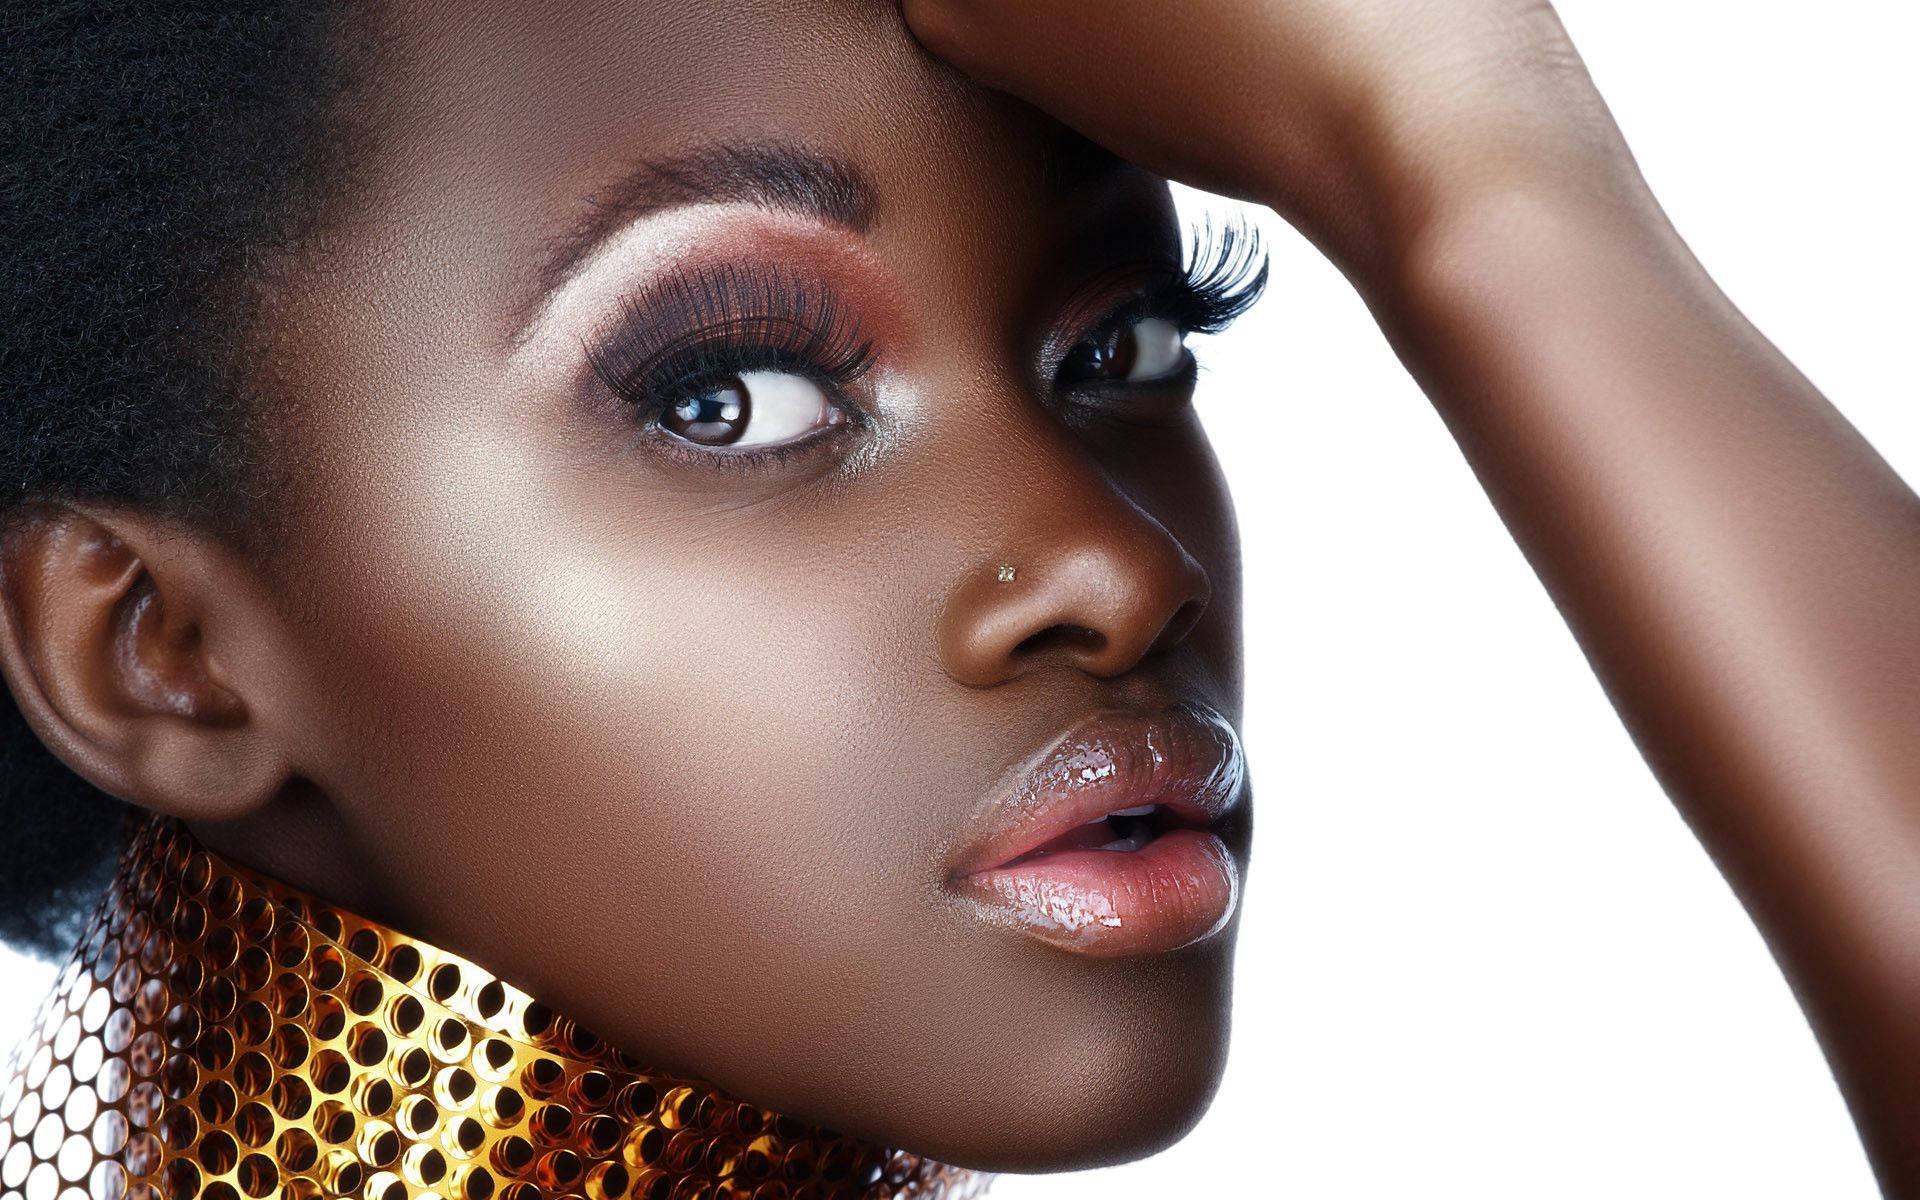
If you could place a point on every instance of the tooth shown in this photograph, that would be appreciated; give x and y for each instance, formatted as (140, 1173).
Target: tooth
(1140, 811)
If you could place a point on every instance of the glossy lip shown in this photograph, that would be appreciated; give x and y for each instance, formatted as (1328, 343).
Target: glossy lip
(1179, 888)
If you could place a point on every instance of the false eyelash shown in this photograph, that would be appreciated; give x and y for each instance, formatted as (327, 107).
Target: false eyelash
(700, 324)
(1225, 275)
(1220, 273)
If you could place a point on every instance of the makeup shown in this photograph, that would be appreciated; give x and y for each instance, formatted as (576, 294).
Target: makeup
(741, 362)
(1112, 840)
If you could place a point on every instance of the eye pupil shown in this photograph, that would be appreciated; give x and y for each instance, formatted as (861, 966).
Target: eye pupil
(1115, 354)
(1145, 349)
(714, 417)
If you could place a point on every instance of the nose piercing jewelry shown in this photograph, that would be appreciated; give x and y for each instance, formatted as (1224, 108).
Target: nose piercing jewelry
(1006, 573)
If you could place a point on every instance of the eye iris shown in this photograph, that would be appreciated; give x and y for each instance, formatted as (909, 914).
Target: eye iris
(714, 417)
(1113, 356)
(1138, 351)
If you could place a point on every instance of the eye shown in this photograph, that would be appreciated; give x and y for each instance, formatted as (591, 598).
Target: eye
(1136, 350)
(750, 408)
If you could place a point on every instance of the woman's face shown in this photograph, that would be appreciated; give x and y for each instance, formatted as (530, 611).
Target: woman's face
(682, 718)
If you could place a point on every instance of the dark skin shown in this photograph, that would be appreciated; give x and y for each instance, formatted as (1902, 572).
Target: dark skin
(476, 705)
(685, 751)
(1738, 563)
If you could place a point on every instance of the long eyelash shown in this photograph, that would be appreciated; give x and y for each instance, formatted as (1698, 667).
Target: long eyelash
(700, 324)
(1225, 274)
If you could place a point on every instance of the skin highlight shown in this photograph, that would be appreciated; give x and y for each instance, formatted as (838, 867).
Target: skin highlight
(686, 750)
(1737, 562)
(484, 559)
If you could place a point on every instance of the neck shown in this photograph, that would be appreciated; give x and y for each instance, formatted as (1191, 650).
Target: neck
(218, 1033)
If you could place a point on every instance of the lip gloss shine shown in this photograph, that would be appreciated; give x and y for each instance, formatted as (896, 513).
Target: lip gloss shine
(1050, 865)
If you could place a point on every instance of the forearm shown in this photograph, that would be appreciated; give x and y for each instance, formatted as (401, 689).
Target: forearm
(1741, 568)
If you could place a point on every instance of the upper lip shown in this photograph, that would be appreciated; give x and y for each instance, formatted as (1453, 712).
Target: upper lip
(1185, 756)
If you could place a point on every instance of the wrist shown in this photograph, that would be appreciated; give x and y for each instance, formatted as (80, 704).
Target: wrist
(1393, 177)
(1511, 247)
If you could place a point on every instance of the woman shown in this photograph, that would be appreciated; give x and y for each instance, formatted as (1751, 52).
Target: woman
(307, 626)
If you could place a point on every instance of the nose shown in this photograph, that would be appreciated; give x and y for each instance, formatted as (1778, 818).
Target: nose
(1082, 574)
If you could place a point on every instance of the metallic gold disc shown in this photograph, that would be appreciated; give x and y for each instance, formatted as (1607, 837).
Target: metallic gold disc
(219, 1034)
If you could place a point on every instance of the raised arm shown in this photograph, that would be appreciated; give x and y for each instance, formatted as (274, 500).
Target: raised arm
(1739, 565)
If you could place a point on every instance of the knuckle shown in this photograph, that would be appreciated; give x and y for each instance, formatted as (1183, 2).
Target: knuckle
(944, 27)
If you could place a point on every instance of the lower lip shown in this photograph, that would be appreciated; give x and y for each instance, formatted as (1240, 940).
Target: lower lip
(1176, 890)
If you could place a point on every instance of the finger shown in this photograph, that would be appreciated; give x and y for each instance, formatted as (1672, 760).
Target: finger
(978, 35)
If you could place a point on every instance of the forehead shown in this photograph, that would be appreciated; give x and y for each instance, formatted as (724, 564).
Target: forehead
(677, 66)
(498, 122)
(552, 96)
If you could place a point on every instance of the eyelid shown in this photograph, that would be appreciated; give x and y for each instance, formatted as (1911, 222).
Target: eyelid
(1091, 309)
(1104, 307)
(713, 354)
(729, 316)
(1222, 272)
(705, 321)
(689, 454)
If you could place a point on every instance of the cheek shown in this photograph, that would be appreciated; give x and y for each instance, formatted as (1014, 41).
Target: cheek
(597, 717)
(685, 762)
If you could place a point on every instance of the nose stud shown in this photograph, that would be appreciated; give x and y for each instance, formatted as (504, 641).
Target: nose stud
(1006, 573)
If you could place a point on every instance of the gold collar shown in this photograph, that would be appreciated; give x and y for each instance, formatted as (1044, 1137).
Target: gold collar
(219, 1034)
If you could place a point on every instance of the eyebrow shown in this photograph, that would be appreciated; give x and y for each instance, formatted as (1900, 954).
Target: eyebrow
(778, 177)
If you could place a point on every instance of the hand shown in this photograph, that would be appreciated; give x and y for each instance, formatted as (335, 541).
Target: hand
(1356, 119)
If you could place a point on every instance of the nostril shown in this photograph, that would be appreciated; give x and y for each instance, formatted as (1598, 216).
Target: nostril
(1072, 636)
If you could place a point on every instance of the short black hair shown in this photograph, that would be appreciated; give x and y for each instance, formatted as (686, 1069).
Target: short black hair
(160, 159)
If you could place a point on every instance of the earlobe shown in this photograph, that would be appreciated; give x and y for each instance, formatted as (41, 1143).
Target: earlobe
(108, 642)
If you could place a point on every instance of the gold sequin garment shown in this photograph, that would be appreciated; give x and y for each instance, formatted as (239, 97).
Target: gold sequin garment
(219, 1034)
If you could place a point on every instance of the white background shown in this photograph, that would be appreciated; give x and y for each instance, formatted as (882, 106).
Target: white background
(1481, 956)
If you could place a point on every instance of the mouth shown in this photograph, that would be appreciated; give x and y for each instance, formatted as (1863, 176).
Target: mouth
(1109, 842)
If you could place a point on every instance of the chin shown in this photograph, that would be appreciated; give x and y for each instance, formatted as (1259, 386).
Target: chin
(1101, 1113)
(1137, 1078)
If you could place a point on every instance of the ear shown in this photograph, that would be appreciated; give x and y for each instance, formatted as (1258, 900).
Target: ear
(126, 640)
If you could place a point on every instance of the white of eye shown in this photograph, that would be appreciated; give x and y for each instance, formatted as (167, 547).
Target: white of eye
(785, 406)
(1159, 349)
(777, 406)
